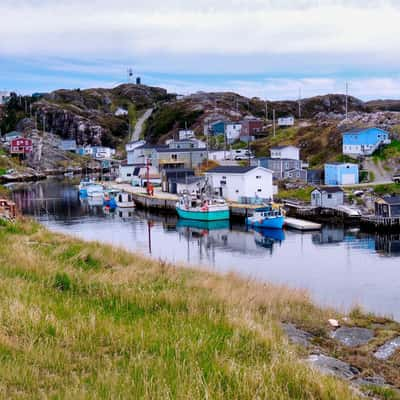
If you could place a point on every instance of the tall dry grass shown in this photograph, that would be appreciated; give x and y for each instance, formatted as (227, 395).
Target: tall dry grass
(86, 321)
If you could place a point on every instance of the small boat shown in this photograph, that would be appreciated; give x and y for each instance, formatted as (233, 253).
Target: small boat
(69, 174)
(124, 200)
(267, 217)
(208, 209)
(83, 185)
(95, 190)
(109, 202)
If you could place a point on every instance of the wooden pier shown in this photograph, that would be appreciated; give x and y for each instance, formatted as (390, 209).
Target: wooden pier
(382, 224)
(301, 224)
(162, 201)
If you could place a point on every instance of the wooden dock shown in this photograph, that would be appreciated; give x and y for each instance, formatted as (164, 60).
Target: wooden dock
(166, 202)
(384, 224)
(301, 224)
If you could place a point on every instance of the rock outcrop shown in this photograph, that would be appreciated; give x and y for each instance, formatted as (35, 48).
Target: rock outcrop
(89, 115)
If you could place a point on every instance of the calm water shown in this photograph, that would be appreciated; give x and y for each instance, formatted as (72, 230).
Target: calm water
(339, 267)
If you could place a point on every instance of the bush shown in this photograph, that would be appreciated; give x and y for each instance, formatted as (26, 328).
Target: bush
(62, 282)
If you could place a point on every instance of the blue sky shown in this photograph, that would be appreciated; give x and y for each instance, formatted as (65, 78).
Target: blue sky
(265, 48)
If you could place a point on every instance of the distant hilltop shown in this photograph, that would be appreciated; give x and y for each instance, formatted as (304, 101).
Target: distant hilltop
(107, 116)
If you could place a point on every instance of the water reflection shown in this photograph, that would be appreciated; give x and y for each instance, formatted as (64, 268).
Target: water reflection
(340, 267)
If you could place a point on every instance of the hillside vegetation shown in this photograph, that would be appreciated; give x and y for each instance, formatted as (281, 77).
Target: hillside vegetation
(88, 321)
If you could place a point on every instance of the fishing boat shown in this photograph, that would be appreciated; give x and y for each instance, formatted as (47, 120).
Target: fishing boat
(83, 185)
(109, 200)
(95, 190)
(202, 209)
(124, 200)
(267, 217)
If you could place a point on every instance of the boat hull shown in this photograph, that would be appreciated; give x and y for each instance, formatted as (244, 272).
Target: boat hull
(216, 215)
(271, 223)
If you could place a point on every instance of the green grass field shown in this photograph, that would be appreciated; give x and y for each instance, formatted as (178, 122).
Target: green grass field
(88, 321)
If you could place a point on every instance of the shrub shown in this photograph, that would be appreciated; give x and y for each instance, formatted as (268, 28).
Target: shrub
(62, 281)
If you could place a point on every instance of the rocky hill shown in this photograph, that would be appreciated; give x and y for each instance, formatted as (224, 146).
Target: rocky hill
(95, 116)
(92, 116)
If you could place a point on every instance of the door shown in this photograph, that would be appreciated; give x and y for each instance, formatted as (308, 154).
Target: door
(348, 179)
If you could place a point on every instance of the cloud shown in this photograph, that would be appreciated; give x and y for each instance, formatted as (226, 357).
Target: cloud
(267, 48)
(226, 27)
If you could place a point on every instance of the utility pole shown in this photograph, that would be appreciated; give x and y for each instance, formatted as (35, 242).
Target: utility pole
(273, 122)
(347, 99)
(299, 103)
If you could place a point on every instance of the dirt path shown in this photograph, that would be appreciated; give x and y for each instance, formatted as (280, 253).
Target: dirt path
(381, 175)
(139, 125)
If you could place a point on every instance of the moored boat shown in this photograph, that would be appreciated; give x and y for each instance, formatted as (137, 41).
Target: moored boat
(124, 200)
(207, 209)
(267, 217)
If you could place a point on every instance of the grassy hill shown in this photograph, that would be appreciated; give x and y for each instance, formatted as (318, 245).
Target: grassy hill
(87, 321)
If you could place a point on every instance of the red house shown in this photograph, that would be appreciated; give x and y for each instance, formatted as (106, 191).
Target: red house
(251, 127)
(21, 146)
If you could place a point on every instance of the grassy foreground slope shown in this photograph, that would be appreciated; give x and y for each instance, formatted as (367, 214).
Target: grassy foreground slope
(85, 321)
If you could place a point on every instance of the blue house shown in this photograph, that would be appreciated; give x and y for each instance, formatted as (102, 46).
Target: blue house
(217, 128)
(337, 174)
(363, 142)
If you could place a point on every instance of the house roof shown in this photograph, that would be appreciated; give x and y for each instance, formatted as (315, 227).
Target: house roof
(152, 146)
(189, 150)
(341, 163)
(329, 189)
(282, 147)
(357, 131)
(230, 169)
(391, 199)
(189, 179)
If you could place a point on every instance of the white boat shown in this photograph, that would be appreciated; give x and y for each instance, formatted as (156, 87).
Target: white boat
(95, 190)
(124, 200)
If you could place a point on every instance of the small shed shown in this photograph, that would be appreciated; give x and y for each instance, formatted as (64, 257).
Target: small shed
(327, 197)
(388, 207)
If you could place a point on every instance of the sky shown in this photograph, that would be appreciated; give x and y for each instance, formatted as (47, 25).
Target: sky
(272, 49)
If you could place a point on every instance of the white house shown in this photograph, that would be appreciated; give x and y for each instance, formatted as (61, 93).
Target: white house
(232, 131)
(241, 184)
(219, 155)
(286, 121)
(120, 112)
(4, 96)
(286, 152)
(128, 172)
(101, 152)
(186, 134)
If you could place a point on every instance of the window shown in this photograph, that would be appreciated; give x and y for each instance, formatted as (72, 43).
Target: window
(329, 196)
(174, 156)
(259, 190)
(128, 174)
(258, 177)
(237, 191)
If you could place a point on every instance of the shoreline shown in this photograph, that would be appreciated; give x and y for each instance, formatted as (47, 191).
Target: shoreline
(262, 303)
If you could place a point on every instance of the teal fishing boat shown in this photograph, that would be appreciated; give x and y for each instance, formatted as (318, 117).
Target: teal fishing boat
(191, 207)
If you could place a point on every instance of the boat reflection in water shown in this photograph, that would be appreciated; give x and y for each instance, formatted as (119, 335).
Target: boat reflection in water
(266, 238)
